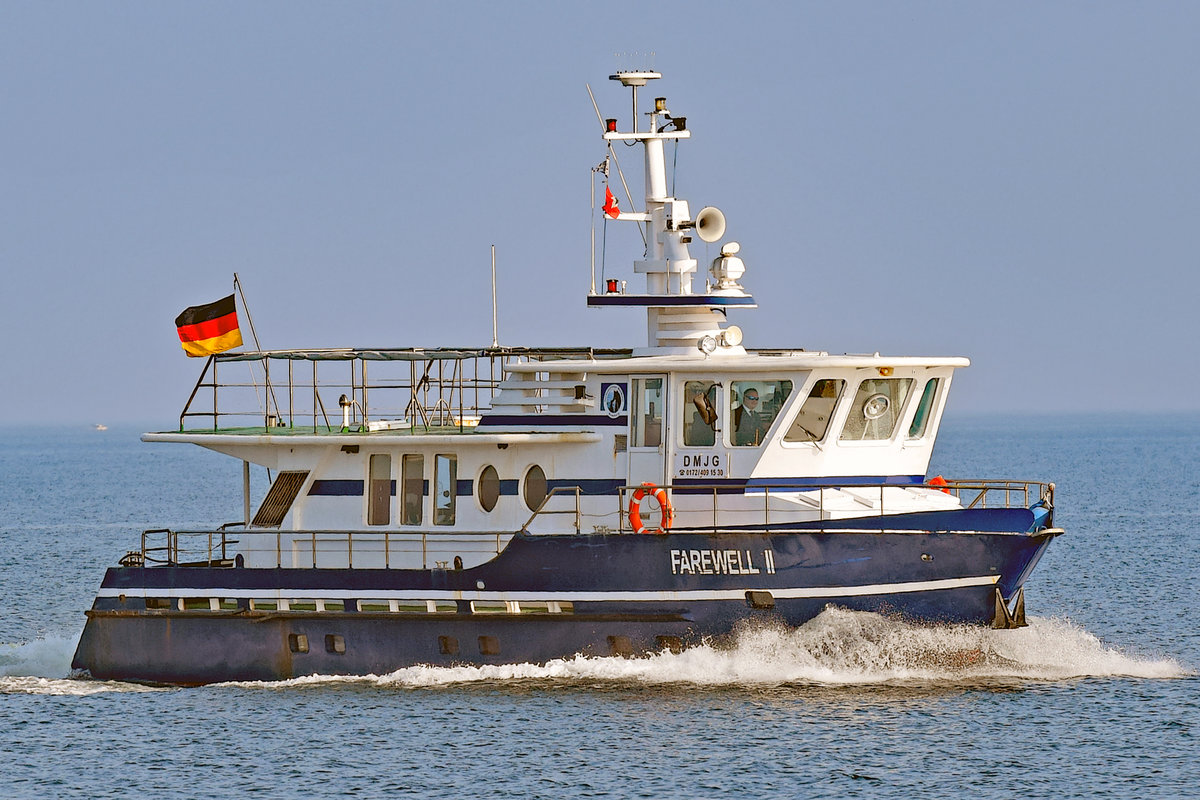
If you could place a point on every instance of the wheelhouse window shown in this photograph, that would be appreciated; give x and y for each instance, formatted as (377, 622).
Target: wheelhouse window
(924, 410)
(812, 421)
(647, 411)
(753, 406)
(700, 413)
(877, 406)
(445, 485)
(413, 483)
(379, 498)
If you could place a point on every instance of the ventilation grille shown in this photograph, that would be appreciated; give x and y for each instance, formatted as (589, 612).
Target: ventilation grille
(279, 499)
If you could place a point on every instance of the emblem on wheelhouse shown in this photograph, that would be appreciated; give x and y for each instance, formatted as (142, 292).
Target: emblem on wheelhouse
(511, 504)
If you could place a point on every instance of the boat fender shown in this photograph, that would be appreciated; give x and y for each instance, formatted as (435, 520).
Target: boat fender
(635, 509)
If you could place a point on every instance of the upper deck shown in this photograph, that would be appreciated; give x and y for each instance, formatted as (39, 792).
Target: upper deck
(327, 392)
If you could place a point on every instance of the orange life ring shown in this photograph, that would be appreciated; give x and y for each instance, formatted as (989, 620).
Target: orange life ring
(939, 481)
(635, 509)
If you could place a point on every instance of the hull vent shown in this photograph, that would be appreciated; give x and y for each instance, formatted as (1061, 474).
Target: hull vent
(279, 499)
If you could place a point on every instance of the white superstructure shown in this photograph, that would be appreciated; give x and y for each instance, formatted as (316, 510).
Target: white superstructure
(424, 451)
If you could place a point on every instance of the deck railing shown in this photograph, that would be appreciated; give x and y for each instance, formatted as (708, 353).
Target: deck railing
(819, 502)
(309, 549)
(328, 390)
(393, 548)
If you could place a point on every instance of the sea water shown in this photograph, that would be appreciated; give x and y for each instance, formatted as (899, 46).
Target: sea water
(1098, 697)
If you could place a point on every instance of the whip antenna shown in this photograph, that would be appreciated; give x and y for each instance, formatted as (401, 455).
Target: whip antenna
(495, 324)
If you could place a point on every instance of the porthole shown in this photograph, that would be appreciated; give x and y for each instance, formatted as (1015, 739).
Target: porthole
(489, 488)
(620, 646)
(671, 643)
(535, 487)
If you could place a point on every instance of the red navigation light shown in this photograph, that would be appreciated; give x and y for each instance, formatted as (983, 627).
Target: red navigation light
(611, 124)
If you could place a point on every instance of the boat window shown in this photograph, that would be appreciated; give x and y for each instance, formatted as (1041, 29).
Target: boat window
(489, 488)
(379, 499)
(647, 412)
(877, 406)
(413, 480)
(753, 406)
(921, 419)
(535, 487)
(700, 413)
(445, 483)
(812, 421)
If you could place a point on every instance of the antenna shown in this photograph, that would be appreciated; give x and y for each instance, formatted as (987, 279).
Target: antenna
(495, 328)
(635, 79)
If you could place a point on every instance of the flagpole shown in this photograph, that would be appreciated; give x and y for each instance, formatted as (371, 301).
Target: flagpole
(237, 284)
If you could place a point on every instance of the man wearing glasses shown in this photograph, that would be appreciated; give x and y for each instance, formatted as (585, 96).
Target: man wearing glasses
(752, 423)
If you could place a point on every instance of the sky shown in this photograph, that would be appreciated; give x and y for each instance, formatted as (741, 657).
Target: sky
(1015, 182)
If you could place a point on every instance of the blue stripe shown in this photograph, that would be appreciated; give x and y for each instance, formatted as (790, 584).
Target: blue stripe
(594, 486)
(740, 485)
(589, 485)
(553, 420)
(347, 488)
(703, 300)
(853, 480)
(337, 488)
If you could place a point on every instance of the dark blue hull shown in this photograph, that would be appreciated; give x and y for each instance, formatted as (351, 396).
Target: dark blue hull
(590, 594)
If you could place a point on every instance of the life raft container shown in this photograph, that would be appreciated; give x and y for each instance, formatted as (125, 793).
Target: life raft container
(635, 509)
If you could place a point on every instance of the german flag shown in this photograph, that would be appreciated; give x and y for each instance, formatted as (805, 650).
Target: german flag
(211, 328)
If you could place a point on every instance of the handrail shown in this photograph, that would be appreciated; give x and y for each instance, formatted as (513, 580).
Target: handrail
(214, 548)
(452, 385)
(575, 490)
(316, 549)
(822, 501)
(1016, 494)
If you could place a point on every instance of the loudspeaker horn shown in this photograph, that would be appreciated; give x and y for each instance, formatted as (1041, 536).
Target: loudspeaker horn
(710, 224)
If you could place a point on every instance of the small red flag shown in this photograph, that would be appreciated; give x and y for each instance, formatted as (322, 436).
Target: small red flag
(610, 204)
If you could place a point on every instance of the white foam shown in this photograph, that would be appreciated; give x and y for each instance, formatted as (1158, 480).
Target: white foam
(80, 687)
(46, 657)
(43, 666)
(837, 648)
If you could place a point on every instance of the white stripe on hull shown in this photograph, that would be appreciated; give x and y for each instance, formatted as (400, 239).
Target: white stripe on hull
(564, 596)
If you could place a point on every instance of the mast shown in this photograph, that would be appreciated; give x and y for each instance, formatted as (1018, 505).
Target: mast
(678, 318)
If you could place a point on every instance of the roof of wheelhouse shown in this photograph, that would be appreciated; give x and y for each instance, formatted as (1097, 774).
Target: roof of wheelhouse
(753, 362)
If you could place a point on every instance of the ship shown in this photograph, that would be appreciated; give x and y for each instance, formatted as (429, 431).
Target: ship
(494, 505)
